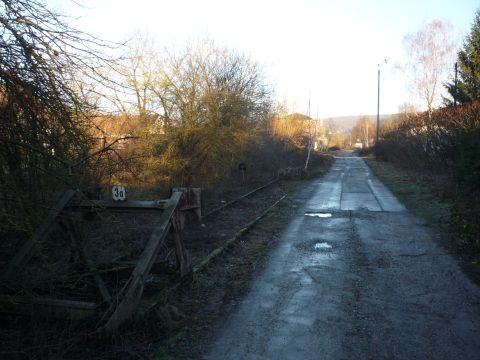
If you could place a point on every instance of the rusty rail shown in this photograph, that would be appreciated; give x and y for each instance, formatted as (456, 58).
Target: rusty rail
(240, 198)
(221, 249)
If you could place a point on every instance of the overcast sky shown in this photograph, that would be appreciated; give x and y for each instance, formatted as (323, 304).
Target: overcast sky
(328, 49)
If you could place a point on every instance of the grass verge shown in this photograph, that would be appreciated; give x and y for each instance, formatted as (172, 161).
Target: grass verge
(417, 197)
(424, 197)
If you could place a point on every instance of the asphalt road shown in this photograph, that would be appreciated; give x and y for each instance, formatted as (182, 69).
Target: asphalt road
(355, 276)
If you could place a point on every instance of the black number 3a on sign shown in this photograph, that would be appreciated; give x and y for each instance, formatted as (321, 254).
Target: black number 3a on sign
(119, 193)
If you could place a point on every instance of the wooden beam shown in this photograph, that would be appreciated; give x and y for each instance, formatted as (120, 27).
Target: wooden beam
(57, 307)
(183, 258)
(26, 251)
(129, 204)
(130, 295)
(191, 200)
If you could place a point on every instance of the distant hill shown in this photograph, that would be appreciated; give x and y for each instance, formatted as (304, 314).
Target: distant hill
(348, 122)
(297, 116)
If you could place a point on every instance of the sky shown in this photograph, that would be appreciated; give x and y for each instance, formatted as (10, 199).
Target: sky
(325, 51)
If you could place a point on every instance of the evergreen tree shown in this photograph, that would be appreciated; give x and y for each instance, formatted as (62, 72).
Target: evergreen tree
(468, 61)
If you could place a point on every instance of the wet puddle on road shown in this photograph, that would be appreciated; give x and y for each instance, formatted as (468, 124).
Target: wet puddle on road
(318, 214)
(322, 246)
(318, 245)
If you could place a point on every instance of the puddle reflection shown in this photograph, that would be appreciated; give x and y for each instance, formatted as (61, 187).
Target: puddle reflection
(322, 246)
(318, 214)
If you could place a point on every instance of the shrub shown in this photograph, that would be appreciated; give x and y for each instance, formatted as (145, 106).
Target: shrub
(443, 147)
(468, 160)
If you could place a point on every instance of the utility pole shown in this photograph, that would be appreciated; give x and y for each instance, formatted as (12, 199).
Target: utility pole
(309, 146)
(378, 109)
(366, 128)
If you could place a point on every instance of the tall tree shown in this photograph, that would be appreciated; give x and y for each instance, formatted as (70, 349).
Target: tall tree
(206, 102)
(430, 51)
(43, 122)
(467, 86)
(215, 98)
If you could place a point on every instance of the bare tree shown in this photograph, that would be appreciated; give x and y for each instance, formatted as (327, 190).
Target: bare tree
(430, 52)
(138, 72)
(207, 99)
(214, 99)
(293, 129)
(46, 69)
(364, 130)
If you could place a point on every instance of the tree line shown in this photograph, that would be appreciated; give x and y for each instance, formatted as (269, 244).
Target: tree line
(444, 143)
(149, 118)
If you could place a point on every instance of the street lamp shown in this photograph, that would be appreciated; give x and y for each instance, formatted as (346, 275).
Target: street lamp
(378, 109)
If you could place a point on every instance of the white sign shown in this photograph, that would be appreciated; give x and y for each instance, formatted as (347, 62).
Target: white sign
(119, 193)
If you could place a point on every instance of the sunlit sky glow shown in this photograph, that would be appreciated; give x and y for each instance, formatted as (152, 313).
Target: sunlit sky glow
(328, 50)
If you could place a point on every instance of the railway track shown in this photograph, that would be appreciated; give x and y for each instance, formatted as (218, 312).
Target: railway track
(240, 198)
(220, 227)
(223, 224)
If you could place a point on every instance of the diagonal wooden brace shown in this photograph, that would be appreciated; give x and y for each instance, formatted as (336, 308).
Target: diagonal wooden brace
(129, 297)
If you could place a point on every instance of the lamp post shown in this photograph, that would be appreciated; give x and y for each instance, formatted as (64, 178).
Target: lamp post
(378, 109)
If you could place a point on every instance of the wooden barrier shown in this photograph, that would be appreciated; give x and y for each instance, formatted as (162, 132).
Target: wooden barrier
(26, 251)
(122, 305)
